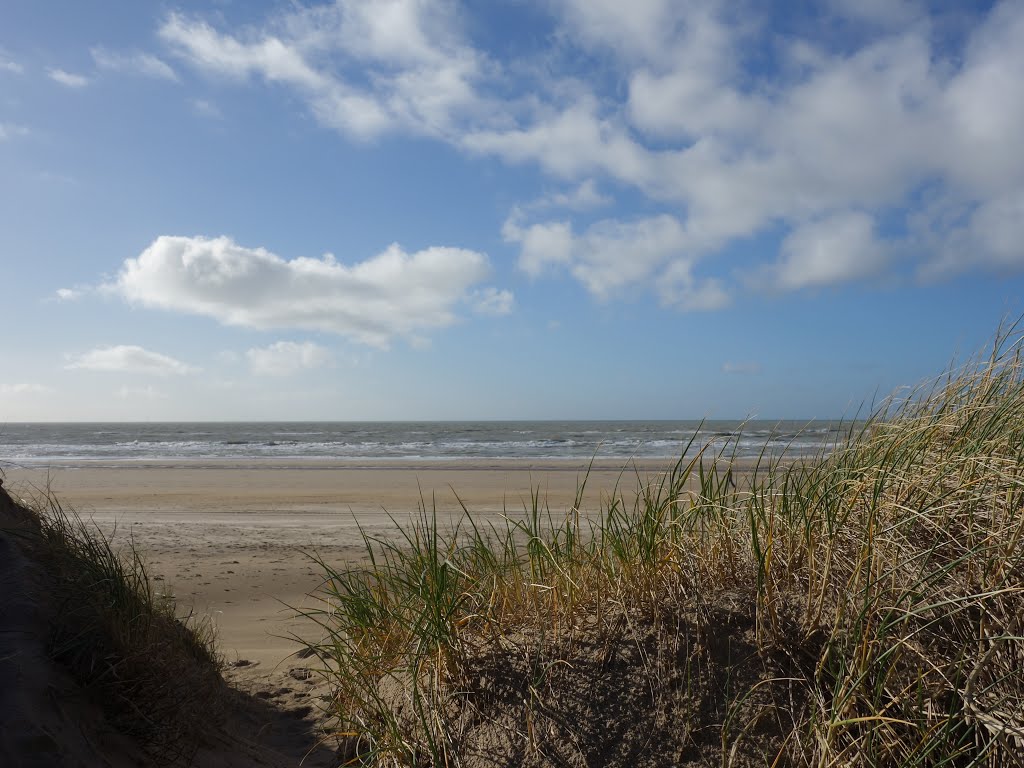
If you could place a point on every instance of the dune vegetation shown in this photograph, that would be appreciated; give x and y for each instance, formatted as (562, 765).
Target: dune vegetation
(90, 634)
(864, 608)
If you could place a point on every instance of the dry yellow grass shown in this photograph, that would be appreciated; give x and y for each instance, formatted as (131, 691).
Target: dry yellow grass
(863, 608)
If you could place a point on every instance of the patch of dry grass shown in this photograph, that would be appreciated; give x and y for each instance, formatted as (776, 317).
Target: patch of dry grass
(864, 608)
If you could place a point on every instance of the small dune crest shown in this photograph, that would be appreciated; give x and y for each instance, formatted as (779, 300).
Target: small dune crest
(96, 669)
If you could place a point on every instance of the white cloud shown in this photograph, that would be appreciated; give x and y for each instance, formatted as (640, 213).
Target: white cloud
(70, 79)
(685, 104)
(584, 196)
(206, 48)
(9, 65)
(678, 288)
(491, 301)
(69, 294)
(125, 358)
(286, 357)
(422, 75)
(570, 143)
(832, 250)
(541, 246)
(136, 63)
(726, 148)
(983, 107)
(11, 131)
(25, 389)
(997, 228)
(612, 255)
(391, 294)
(332, 100)
(842, 133)
(958, 236)
(638, 30)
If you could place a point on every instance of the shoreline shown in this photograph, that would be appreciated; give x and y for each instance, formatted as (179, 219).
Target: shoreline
(316, 463)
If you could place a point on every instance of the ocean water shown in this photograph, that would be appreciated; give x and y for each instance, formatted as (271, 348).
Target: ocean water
(409, 441)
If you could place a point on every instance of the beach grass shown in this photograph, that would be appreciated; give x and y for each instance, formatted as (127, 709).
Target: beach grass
(863, 608)
(155, 675)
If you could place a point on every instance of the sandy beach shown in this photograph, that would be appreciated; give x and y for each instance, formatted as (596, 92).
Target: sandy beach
(232, 540)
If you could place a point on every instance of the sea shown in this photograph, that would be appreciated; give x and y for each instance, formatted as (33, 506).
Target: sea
(42, 443)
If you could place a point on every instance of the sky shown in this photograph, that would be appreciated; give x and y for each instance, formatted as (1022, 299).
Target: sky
(501, 209)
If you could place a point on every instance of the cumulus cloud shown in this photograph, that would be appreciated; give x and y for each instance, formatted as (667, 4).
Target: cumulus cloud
(841, 133)
(542, 245)
(832, 250)
(959, 236)
(582, 197)
(391, 294)
(69, 79)
(571, 143)
(134, 63)
(823, 140)
(636, 31)
(284, 358)
(612, 255)
(127, 358)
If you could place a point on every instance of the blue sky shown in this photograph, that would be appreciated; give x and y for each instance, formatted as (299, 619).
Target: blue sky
(418, 209)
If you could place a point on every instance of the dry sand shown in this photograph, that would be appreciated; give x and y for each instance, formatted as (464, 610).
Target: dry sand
(231, 539)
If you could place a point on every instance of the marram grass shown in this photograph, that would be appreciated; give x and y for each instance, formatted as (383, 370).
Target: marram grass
(865, 608)
(154, 675)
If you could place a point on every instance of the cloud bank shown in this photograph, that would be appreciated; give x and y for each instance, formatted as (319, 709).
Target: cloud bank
(392, 294)
(884, 134)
